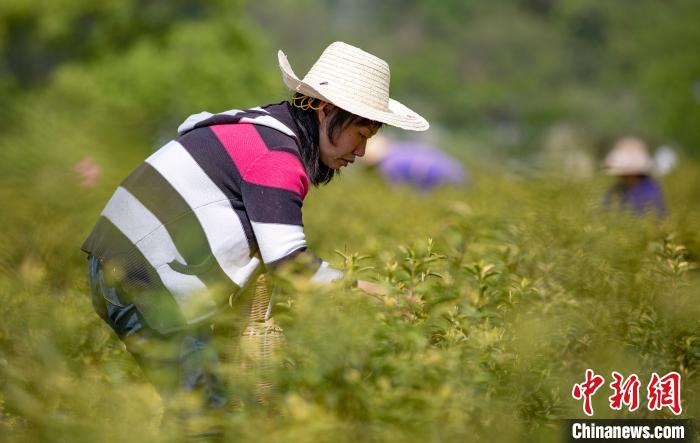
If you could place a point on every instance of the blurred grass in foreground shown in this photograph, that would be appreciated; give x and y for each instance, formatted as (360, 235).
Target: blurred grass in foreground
(523, 285)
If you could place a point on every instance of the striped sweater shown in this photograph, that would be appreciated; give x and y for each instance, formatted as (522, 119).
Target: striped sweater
(204, 214)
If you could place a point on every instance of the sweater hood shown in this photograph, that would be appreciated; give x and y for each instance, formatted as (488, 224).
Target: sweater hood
(257, 116)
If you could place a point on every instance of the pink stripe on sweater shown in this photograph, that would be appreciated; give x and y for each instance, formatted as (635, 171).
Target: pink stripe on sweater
(280, 170)
(257, 164)
(242, 142)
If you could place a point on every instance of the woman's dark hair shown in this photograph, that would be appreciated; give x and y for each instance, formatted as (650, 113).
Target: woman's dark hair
(303, 110)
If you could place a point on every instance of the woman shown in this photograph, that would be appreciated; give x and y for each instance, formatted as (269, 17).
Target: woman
(206, 213)
(635, 191)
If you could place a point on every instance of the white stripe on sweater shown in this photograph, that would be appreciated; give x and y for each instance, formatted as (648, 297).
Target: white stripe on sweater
(146, 233)
(212, 208)
(269, 121)
(133, 219)
(227, 239)
(263, 120)
(191, 121)
(326, 274)
(277, 240)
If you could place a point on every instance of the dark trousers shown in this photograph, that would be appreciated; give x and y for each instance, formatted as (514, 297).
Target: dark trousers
(184, 362)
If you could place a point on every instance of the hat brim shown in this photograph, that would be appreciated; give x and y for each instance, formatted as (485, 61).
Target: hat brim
(397, 115)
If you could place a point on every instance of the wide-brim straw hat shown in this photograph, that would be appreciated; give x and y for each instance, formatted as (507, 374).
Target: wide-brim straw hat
(355, 81)
(629, 157)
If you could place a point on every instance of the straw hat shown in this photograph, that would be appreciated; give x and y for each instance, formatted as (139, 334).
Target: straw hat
(629, 157)
(355, 81)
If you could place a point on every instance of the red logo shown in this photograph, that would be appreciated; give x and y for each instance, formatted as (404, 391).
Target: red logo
(626, 392)
(662, 392)
(665, 392)
(586, 390)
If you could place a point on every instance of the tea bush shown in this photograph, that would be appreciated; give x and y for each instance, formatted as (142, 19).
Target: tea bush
(499, 297)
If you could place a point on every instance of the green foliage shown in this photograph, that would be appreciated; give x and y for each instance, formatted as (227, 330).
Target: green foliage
(509, 70)
(506, 71)
(498, 296)
(671, 80)
(513, 291)
(37, 37)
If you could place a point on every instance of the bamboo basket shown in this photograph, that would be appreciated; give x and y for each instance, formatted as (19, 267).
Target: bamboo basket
(254, 351)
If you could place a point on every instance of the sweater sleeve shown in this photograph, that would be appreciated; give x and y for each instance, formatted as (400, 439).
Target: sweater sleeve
(273, 189)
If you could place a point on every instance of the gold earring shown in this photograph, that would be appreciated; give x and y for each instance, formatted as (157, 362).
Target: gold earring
(305, 102)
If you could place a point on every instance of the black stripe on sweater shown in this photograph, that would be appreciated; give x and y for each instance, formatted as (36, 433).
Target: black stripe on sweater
(266, 204)
(278, 141)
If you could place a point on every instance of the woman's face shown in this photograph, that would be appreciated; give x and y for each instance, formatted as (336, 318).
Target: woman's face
(349, 142)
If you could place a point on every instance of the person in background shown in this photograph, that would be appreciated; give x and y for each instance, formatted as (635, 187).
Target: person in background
(412, 163)
(635, 190)
(192, 227)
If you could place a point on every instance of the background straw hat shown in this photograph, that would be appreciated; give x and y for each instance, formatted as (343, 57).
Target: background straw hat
(629, 157)
(355, 81)
(376, 150)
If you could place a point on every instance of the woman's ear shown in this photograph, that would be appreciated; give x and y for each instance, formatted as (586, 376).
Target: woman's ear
(323, 111)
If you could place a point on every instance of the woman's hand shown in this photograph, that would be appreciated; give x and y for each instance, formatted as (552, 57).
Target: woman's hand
(371, 288)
